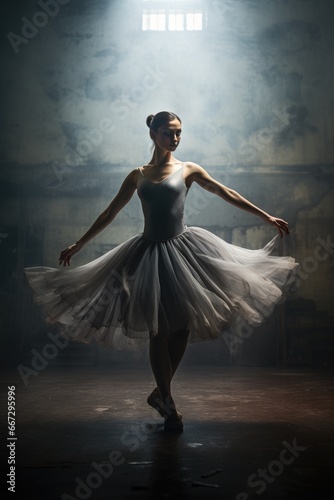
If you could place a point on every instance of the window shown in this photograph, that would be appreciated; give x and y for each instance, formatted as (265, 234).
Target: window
(180, 15)
(194, 21)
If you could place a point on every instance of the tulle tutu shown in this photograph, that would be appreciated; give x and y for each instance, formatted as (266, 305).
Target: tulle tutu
(195, 281)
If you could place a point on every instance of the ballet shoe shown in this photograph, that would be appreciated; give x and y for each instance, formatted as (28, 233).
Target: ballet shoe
(173, 423)
(152, 400)
(155, 401)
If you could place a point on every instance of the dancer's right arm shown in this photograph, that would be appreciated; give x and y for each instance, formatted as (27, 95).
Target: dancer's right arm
(123, 196)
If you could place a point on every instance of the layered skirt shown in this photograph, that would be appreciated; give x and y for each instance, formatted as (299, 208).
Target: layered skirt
(194, 281)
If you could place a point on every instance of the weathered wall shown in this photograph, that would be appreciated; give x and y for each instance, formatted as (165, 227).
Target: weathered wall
(254, 90)
(260, 76)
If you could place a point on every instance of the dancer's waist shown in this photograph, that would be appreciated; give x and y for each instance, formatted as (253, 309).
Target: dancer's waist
(163, 235)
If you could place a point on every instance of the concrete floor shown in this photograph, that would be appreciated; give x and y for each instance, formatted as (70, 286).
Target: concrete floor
(238, 422)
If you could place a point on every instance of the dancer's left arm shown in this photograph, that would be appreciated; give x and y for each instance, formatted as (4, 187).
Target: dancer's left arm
(201, 177)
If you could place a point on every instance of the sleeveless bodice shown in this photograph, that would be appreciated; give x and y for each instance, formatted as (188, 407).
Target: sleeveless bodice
(163, 205)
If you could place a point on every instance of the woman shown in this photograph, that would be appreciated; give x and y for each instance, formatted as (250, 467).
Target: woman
(171, 284)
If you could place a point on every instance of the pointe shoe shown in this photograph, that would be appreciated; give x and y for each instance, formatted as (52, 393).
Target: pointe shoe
(173, 423)
(155, 401)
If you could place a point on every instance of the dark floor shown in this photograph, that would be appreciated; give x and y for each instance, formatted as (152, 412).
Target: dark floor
(238, 424)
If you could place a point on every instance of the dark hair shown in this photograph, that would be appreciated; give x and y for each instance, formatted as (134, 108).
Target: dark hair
(155, 121)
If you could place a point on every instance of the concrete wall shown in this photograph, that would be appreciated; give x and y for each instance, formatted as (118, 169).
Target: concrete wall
(254, 91)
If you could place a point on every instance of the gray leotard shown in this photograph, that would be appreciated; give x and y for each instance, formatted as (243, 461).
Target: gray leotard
(163, 205)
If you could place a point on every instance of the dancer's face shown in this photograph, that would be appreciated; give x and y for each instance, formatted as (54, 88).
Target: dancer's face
(168, 136)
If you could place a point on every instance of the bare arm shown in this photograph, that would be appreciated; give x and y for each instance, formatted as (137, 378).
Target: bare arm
(199, 175)
(123, 196)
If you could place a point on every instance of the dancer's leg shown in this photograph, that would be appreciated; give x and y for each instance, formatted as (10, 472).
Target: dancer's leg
(162, 371)
(164, 364)
(161, 363)
(177, 346)
(166, 353)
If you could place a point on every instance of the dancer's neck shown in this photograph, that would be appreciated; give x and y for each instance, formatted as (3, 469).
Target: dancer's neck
(162, 158)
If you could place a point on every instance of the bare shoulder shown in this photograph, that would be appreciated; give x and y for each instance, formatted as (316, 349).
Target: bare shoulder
(130, 181)
(192, 168)
(194, 173)
(132, 177)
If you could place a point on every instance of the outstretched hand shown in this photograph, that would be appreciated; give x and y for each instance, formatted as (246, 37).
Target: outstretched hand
(280, 224)
(65, 255)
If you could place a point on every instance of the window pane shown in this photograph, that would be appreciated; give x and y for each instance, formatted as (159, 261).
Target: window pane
(146, 22)
(175, 22)
(179, 21)
(198, 21)
(161, 22)
(153, 21)
(194, 21)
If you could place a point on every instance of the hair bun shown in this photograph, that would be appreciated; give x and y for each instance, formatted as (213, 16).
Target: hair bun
(149, 120)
